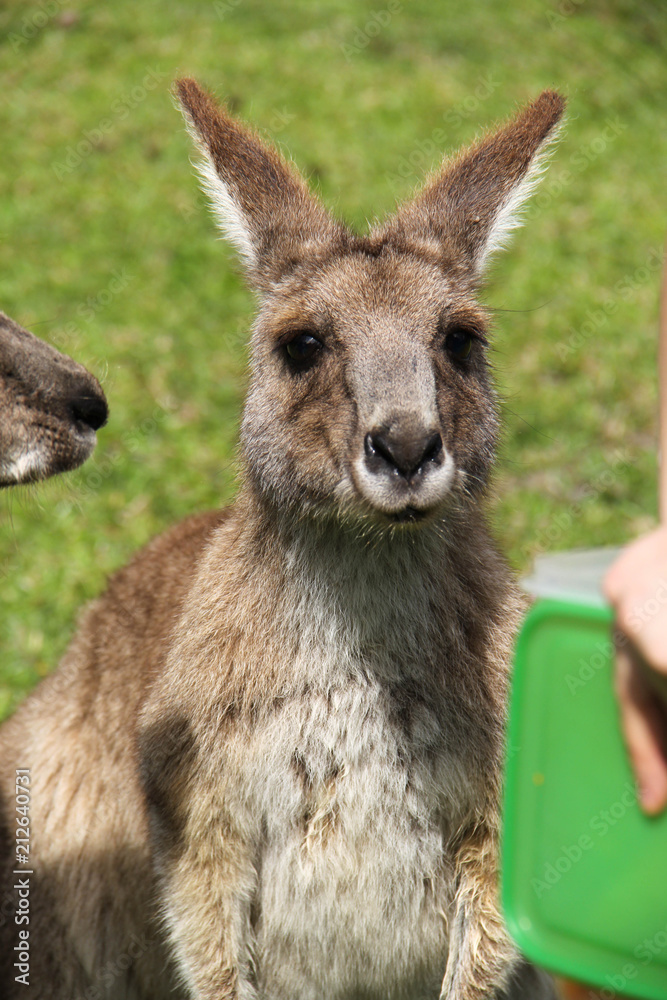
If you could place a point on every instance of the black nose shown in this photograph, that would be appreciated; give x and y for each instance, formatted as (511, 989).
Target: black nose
(405, 452)
(88, 405)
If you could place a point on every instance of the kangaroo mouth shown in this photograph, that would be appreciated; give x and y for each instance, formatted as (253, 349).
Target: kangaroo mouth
(398, 499)
(409, 515)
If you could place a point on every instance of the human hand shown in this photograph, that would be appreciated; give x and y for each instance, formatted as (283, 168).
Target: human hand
(636, 587)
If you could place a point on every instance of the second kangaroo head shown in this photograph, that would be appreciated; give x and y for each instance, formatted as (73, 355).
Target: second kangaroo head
(369, 394)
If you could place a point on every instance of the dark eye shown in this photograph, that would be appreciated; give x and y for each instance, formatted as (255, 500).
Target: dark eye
(458, 344)
(302, 350)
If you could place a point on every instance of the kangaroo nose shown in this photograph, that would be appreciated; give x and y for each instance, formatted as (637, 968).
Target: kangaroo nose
(403, 452)
(88, 405)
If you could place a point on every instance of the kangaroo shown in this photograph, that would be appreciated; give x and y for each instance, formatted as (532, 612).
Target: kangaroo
(50, 408)
(269, 764)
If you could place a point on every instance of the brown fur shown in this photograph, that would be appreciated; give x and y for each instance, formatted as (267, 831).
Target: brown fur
(50, 408)
(280, 731)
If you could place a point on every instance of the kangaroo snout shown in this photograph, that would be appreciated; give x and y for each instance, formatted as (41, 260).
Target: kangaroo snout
(87, 405)
(404, 467)
(50, 408)
(403, 449)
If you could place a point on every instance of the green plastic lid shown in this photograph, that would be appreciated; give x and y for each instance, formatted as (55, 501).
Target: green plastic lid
(584, 871)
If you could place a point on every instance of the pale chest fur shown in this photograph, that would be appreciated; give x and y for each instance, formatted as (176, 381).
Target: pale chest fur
(361, 778)
(362, 761)
(358, 805)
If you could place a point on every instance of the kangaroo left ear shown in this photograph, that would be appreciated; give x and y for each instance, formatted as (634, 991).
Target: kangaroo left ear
(262, 205)
(471, 207)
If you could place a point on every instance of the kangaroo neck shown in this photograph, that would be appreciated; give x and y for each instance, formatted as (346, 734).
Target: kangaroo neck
(369, 582)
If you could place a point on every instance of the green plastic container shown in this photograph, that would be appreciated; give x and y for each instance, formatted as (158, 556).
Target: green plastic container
(584, 871)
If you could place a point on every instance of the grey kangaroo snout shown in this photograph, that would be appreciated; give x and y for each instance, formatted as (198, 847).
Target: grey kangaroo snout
(403, 450)
(87, 406)
(404, 464)
(50, 408)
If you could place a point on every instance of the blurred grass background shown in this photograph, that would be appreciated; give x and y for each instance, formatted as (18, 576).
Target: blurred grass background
(107, 251)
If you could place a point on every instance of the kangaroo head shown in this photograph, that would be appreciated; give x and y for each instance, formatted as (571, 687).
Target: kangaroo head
(50, 408)
(369, 392)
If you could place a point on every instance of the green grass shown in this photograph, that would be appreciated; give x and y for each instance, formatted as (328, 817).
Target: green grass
(110, 253)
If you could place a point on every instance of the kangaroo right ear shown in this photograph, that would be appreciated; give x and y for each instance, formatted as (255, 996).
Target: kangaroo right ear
(262, 205)
(469, 209)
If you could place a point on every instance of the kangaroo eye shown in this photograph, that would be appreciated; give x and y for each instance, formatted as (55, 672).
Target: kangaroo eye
(302, 349)
(458, 344)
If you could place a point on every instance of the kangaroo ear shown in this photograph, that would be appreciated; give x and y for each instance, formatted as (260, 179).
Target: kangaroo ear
(470, 208)
(263, 206)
